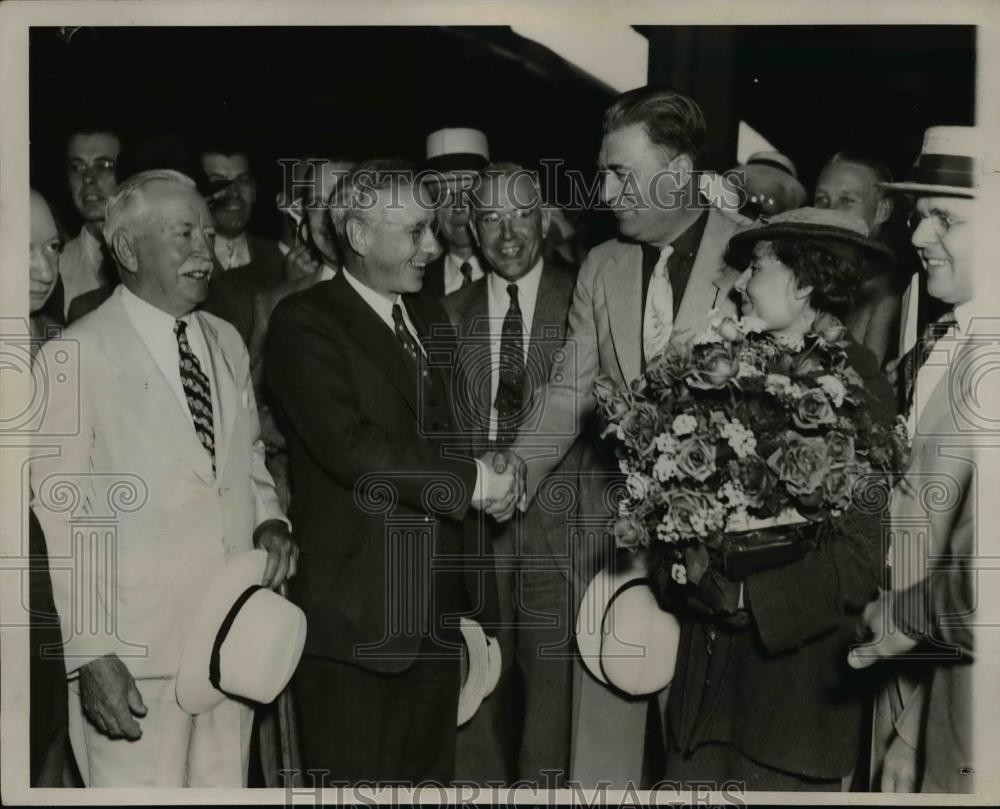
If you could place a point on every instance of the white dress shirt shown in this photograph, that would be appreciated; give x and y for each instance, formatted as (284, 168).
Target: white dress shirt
(453, 271)
(156, 329)
(232, 252)
(80, 267)
(498, 302)
(936, 366)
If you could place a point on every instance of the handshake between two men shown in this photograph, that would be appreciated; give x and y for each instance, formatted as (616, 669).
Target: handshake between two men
(502, 484)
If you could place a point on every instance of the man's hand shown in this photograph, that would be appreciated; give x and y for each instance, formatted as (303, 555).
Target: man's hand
(109, 697)
(501, 489)
(282, 552)
(899, 768)
(887, 640)
(299, 263)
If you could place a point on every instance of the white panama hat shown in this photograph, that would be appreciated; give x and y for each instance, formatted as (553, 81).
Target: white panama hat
(245, 642)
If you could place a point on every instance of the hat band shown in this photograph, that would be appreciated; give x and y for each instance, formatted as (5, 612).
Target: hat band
(638, 582)
(458, 161)
(214, 668)
(774, 164)
(944, 169)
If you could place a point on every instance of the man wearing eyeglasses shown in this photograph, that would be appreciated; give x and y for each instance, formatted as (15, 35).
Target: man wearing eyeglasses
(245, 263)
(91, 163)
(360, 369)
(510, 323)
(923, 724)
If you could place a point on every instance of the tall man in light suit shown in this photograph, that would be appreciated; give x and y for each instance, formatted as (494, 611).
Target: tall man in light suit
(164, 405)
(659, 278)
(511, 324)
(923, 728)
(355, 367)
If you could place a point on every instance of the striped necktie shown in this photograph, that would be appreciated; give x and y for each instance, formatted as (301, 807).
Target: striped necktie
(196, 390)
(510, 387)
(658, 319)
(912, 360)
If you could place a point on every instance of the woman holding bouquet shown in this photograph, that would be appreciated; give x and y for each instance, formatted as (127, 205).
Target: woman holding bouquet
(761, 695)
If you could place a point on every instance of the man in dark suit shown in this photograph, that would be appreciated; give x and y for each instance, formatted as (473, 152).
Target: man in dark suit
(246, 263)
(354, 365)
(453, 158)
(510, 323)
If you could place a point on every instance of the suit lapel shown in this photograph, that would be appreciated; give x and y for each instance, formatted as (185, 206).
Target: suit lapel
(150, 393)
(477, 356)
(375, 338)
(710, 279)
(623, 295)
(547, 327)
(224, 382)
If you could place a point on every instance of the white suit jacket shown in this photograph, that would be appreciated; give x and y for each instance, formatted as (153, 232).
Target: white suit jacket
(135, 522)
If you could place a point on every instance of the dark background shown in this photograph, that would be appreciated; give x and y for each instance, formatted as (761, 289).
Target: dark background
(377, 91)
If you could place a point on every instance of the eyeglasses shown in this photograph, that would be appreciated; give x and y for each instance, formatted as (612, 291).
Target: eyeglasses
(941, 221)
(416, 232)
(518, 218)
(102, 165)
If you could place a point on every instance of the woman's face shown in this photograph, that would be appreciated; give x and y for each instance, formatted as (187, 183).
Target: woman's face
(771, 293)
(44, 254)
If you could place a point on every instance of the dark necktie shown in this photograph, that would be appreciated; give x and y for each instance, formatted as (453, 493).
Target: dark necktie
(510, 390)
(912, 360)
(466, 270)
(196, 390)
(406, 339)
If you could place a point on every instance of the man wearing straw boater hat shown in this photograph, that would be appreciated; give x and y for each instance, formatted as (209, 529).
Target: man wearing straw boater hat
(158, 437)
(454, 157)
(923, 722)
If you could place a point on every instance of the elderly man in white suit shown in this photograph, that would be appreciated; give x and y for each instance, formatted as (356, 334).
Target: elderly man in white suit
(163, 408)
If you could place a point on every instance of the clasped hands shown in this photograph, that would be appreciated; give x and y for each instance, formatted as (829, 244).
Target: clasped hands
(502, 487)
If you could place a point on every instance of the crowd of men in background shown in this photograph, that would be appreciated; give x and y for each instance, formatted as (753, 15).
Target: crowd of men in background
(329, 335)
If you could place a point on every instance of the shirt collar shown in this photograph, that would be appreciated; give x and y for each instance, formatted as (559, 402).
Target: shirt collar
(381, 306)
(686, 244)
(91, 245)
(148, 318)
(527, 284)
(963, 317)
(453, 264)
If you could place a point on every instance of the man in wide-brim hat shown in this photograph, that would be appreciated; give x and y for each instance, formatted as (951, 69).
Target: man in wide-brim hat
(923, 722)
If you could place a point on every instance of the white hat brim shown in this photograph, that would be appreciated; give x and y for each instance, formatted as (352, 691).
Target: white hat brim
(929, 190)
(474, 689)
(195, 693)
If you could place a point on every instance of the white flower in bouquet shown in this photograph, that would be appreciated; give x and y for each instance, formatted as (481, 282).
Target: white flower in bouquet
(742, 440)
(732, 494)
(666, 443)
(706, 337)
(778, 385)
(833, 388)
(665, 468)
(685, 424)
(679, 573)
(793, 342)
(637, 486)
(753, 325)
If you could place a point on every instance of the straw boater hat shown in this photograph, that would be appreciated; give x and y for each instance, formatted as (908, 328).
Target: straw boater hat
(948, 164)
(843, 233)
(245, 642)
(480, 669)
(460, 150)
(624, 639)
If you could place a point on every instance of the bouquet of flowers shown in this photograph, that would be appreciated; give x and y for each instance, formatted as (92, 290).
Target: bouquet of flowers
(738, 430)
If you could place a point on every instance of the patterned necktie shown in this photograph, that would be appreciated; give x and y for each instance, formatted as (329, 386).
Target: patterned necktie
(197, 391)
(466, 270)
(912, 360)
(407, 340)
(658, 319)
(510, 390)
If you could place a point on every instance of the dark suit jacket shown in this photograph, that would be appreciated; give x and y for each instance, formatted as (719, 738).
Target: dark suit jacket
(374, 490)
(434, 278)
(781, 690)
(87, 302)
(231, 293)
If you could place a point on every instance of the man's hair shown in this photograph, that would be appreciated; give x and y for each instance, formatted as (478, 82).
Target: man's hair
(126, 201)
(670, 120)
(501, 169)
(879, 168)
(355, 193)
(92, 126)
(832, 271)
(225, 145)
